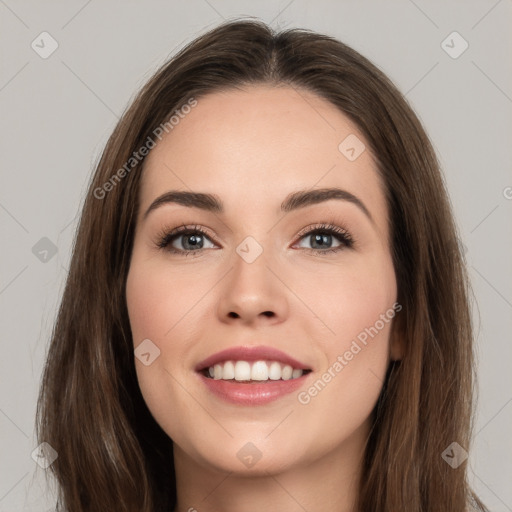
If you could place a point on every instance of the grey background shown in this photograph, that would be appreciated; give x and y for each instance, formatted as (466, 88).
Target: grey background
(57, 113)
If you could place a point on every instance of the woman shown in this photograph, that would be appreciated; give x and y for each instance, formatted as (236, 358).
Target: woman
(266, 305)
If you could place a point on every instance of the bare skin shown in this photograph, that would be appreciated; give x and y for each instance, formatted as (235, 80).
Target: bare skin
(252, 148)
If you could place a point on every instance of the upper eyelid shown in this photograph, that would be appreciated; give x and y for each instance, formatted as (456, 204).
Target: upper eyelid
(179, 230)
(323, 226)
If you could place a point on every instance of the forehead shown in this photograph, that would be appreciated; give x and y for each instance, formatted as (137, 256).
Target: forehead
(252, 147)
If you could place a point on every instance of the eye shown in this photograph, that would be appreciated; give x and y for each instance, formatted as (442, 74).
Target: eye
(184, 240)
(322, 237)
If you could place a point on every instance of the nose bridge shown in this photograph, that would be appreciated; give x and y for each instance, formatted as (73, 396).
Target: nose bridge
(251, 289)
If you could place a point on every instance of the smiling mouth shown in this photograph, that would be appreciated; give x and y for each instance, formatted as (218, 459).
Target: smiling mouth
(252, 372)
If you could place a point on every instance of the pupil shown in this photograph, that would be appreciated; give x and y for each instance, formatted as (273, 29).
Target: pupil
(192, 241)
(322, 239)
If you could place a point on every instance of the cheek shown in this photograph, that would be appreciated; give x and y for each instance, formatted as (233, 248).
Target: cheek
(159, 297)
(349, 298)
(355, 307)
(158, 300)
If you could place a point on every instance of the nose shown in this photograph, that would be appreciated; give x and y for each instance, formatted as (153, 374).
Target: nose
(252, 294)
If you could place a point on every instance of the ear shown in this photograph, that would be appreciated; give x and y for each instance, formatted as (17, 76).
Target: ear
(397, 338)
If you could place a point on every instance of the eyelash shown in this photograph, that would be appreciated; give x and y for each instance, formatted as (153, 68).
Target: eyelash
(165, 237)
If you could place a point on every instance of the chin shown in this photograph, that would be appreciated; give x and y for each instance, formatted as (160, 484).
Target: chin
(248, 455)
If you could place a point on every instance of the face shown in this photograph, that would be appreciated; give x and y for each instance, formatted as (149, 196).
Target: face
(307, 284)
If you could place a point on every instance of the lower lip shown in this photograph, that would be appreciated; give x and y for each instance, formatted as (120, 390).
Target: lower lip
(252, 393)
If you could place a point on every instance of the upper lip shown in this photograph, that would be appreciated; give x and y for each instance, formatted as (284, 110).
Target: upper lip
(253, 353)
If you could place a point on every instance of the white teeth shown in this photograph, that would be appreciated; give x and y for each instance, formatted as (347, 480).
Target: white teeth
(229, 370)
(242, 370)
(257, 370)
(217, 371)
(274, 372)
(296, 373)
(286, 373)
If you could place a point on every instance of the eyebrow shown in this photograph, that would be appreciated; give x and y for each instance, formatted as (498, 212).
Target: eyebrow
(294, 201)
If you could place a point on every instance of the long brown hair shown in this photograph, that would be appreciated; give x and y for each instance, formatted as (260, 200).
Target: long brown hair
(112, 455)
